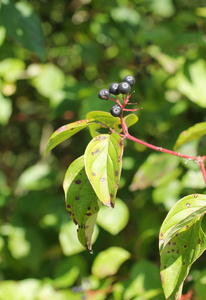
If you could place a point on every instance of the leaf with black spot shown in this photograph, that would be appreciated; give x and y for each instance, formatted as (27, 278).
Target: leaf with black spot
(103, 164)
(181, 241)
(81, 201)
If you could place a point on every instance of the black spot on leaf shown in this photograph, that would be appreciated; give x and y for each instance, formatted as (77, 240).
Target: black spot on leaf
(78, 181)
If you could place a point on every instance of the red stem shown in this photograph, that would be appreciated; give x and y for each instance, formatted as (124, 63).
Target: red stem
(200, 159)
(202, 167)
(160, 149)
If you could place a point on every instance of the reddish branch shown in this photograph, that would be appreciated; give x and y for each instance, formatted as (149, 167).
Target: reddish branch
(198, 159)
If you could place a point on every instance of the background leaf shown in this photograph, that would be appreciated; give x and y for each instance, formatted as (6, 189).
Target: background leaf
(23, 25)
(114, 220)
(196, 131)
(108, 262)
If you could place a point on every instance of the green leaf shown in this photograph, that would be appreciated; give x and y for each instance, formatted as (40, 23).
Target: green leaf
(65, 132)
(103, 164)
(131, 119)
(5, 109)
(108, 262)
(36, 177)
(191, 133)
(107, 119)
(144, 281)
(104, 118)
(157, 169)
(2, 34)
(193, 180)
(182, 241)
(23, 25)
(114, 220)
(49, 80)
(81, 201)
(190, 81)
(11, 69)
(69, 240)
(125, 14)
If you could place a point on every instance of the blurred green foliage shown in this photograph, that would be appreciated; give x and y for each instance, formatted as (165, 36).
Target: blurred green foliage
(54, 58)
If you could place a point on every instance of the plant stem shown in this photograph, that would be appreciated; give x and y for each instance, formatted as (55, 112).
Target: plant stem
(160, 149)
(199, 159)
(202, 167)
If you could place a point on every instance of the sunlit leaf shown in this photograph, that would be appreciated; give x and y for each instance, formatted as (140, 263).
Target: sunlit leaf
(2, 34)
(190, 81)
(69, 240)
(36, 177)
(110, 121)
(114, 220)
(67, 272)
(11, 69)
(125, 14)
(108, 262)
(182, 241)
(196, 131)
(49, 80)
(5, 109)
(81, 201)
(103, 118)
(164, 8)
(103, 163)
(193, 179)
(65, 132)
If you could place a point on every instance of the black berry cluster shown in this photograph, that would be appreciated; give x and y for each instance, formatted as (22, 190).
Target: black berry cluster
(123, 87)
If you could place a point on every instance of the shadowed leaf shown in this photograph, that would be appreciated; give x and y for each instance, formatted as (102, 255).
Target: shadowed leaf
(81, 201)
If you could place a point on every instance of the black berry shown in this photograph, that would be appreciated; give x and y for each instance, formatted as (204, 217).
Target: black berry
(113, 89)
(116, 110)
(124, 87)
(129, 79)
(104, 94)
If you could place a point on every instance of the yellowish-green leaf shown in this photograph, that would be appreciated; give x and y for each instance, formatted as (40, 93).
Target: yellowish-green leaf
(65, 132)
(182, 241)
(103, 164)
(196, 131)
(108, 262)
